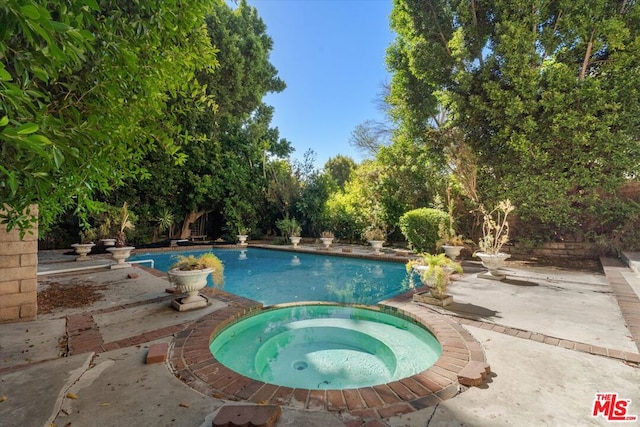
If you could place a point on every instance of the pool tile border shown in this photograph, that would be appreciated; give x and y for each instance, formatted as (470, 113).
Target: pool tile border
(193, 363)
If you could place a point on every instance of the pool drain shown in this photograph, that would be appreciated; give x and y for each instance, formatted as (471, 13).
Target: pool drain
(300, 365)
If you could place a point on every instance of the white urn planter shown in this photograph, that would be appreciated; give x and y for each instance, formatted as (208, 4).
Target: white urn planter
(433, 296)
(189, 282)
(242, 238)
(295, 240)
(452, 252)
(120, 255)
(377, 246)
(82, 250)
(108, 242)
(493, 263)
(327, 241)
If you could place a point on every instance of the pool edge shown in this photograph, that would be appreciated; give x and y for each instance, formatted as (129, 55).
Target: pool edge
(193, 363)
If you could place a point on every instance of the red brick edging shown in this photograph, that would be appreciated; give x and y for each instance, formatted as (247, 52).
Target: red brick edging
(194, 364)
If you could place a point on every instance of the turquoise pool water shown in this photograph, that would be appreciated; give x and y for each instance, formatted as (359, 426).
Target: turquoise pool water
(273, 277)
(325, 347)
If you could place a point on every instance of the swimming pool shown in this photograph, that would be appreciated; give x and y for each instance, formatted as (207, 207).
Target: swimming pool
(274, 277)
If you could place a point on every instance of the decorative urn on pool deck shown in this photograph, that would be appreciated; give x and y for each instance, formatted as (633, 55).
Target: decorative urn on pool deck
(189, 275)
(495, 230)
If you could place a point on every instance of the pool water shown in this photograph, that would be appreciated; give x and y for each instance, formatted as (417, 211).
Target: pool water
(325, 347)
(273, 277)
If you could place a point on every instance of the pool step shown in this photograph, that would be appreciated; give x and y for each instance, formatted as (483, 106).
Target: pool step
(247, 415)
(474, 373)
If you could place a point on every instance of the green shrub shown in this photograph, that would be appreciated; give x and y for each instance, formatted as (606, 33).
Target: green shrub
(420, 228)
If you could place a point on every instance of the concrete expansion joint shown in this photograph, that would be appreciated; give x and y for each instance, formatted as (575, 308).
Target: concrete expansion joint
(625, 356)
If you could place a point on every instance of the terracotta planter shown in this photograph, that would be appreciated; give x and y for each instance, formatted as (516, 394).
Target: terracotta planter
(120, 255)
(493, 262)
(377, 246)
(83, 249)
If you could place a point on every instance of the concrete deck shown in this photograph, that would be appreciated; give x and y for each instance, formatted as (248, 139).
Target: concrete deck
(553, 337)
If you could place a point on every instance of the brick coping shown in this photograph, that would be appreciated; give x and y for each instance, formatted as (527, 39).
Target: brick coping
(194, 364)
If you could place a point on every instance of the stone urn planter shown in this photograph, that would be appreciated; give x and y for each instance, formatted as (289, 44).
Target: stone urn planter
(377, 246)
(452, 252)
(327, 241)
(108, 242)
(493, 263)
(242, 238)
(435, 272)
(120, 255)
(82, 250)
(295, 240)
(189, 275)
(189, 282)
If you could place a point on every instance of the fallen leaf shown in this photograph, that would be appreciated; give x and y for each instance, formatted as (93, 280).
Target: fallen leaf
(3, 398)
(184, 405)
(72, 395)
(105, 404)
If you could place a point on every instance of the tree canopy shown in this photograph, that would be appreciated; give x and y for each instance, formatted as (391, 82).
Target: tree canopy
(86, 90)
(545, 94)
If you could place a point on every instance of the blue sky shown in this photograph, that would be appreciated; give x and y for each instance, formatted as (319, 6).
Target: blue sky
(331, 55)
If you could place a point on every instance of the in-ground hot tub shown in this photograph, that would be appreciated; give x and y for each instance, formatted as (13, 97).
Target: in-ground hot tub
(323, 346)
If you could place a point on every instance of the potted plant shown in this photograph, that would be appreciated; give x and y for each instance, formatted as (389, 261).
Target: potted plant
(83, 248)
(376, 237)
(495, 233)
(189, 275)
(290, 228)
(450, 241)
(120, 252)
(294, 233)
(243, 234)
(435, 272)
(327, 239)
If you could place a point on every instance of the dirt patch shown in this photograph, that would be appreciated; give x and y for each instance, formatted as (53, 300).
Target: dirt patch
(56, 295)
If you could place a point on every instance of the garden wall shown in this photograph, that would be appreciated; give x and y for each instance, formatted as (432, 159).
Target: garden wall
(18, 275)
(555, 250)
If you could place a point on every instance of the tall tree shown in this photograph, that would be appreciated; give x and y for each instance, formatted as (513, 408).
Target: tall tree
(225, 170)
(546, 95)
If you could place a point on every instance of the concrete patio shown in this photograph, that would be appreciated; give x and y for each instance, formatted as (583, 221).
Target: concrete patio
(553, 337)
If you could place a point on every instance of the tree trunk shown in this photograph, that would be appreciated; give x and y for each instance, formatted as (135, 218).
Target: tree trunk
(587, 55)
(185, 233)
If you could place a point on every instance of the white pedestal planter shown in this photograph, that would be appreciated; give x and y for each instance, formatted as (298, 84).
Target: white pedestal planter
(242, 238)
(377, 246)
(189, 282)
(452, 252)
(493, 262)
(326, 241)
(120, 255)
(82, 249)
(295, 240)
